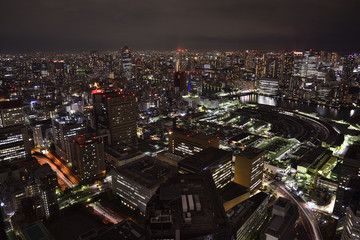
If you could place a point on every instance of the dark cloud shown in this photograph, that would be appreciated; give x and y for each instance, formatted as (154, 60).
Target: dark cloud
(50, 25)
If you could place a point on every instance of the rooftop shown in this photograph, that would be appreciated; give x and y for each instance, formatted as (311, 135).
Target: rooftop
(232, 190)
(353, 152)
(36, 231)
(250, 152)
(147, 171)
(205, 158)
(126, 229)
(239, 214)
(166, 214)
(10, 104)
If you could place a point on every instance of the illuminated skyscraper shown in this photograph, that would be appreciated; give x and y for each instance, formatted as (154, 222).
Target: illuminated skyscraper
(286, 71)
(126, 60)
(65, 128)
(249, 166)
(87, 157)
(184, 144)
(14, 143)
(12, 113)
(14, 139)
(118, 113)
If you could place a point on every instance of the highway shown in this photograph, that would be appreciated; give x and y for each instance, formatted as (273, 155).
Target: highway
(64, 179)
(63, 168)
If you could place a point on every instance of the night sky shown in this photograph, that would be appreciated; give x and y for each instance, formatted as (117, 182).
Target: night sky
(77, 25)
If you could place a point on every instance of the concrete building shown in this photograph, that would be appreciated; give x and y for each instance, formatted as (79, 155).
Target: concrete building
(14, 143)
(127, 64)
(284, 216)
(217, 161)
(184, 143)
(11, 113)
(87, 157)
(249, 167)
(350, 168)
(117, 112)
(248, 216)
(66, 128)
(269, 86)
(187, 207)
(351, 229)
(137, 181)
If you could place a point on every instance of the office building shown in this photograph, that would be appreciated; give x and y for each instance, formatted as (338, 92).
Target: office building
(11, 113)
(184, 143)
(269, 86)
(126, 60)
(87, 157)
(137, 181)
(249, 166)
(66, 128)
(14, 143)
(42, 186)
(351, 220)
(233, 194)
(118, 113)
(284, 216)
(179, 82)
(217, 161)
(287, 65)
(248, 216)
(350, 168)
(187, 207)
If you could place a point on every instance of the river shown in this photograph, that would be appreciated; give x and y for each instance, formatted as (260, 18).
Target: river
(336, 113)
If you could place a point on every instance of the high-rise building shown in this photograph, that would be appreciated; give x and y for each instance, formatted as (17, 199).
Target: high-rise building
(137, 181)
(286, 71)
(126, 60)
(118, 113)
(269, 86)
(217, 161)
(248, 216)
(64, 129)
(195, 82)
(179, 81)
(351, 221)
(249, 166)
(87, 157)
(347, 76)
(187, 207)
(41, 191)
(14, 143)
(184, 143)
(281, 225)
(11, 113)
(350, 168)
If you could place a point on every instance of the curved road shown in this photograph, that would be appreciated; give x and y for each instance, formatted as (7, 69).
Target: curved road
(60, 174)
(306, 214)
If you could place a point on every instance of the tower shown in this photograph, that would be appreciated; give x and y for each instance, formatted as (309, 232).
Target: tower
(126, 60)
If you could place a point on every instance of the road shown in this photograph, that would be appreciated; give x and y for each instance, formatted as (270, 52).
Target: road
(63, 168)
(309, 221)
(64, 179)
(106, 213)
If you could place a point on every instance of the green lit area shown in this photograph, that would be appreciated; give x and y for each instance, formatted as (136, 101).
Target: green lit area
(276, 146)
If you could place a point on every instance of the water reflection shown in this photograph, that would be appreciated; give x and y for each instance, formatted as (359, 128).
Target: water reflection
(266, 101)
(324, 111)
